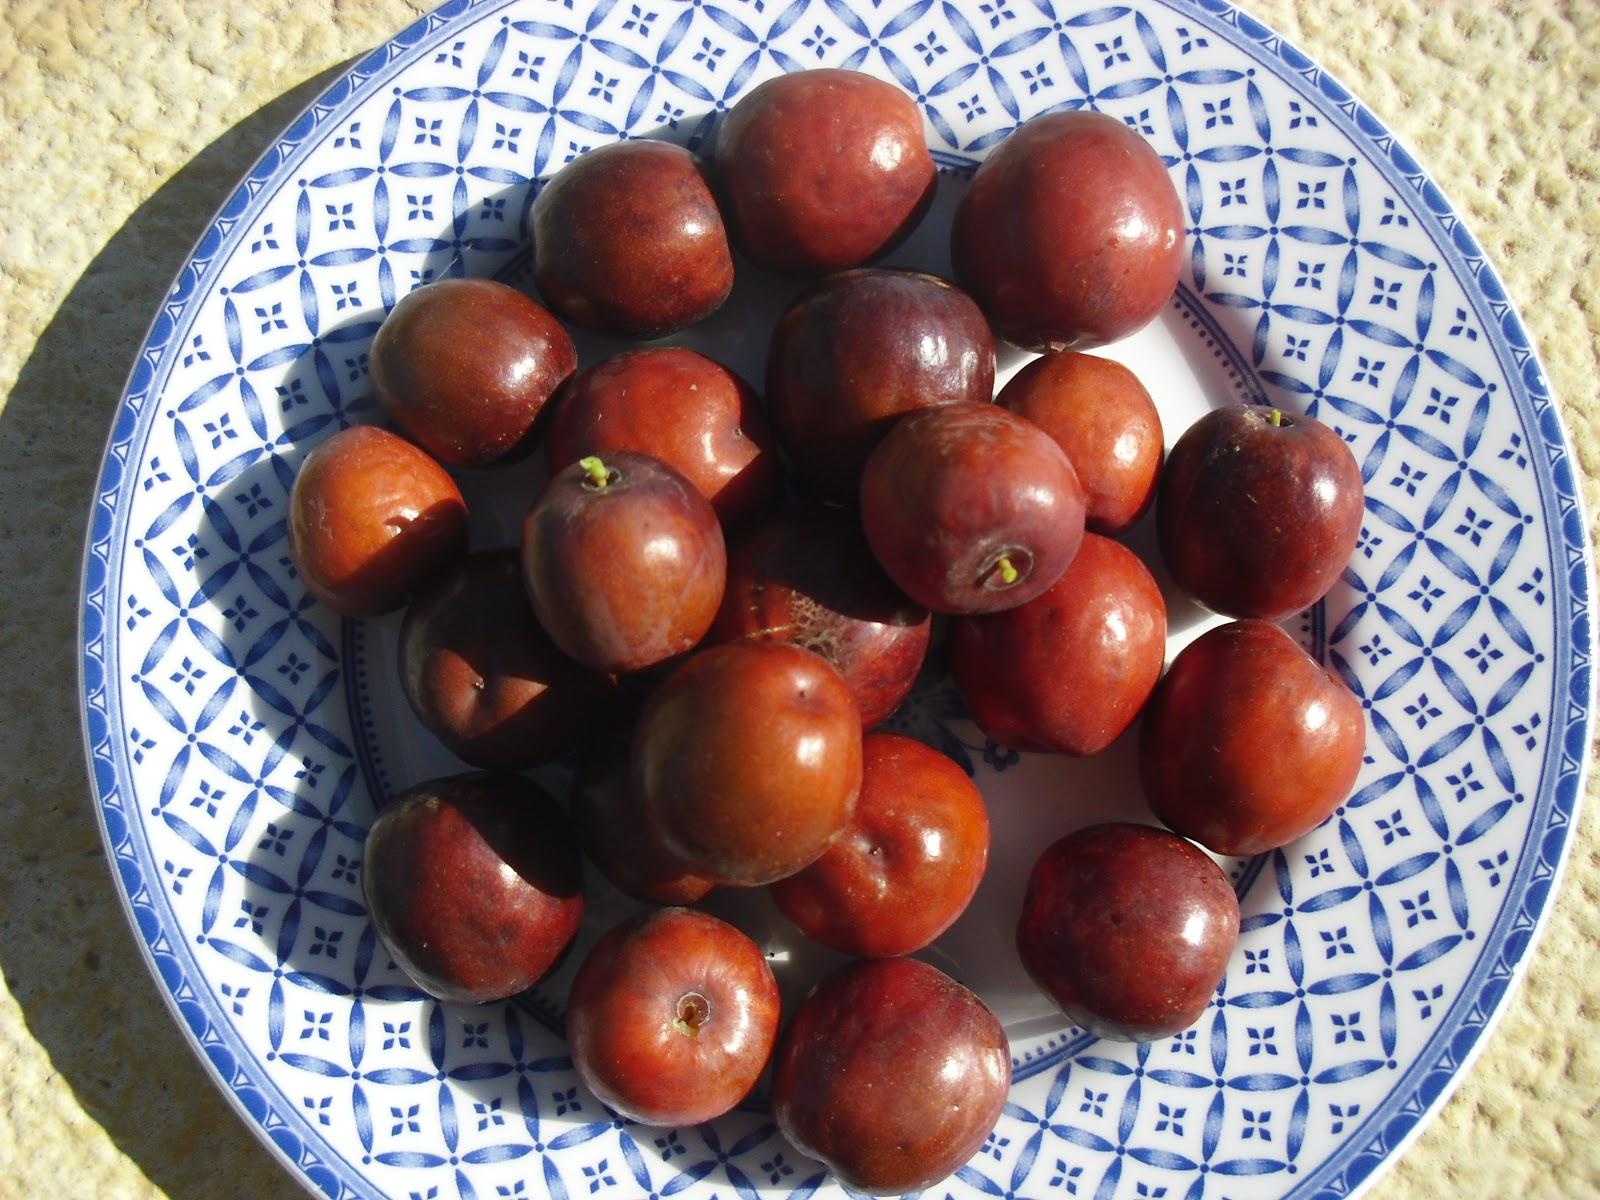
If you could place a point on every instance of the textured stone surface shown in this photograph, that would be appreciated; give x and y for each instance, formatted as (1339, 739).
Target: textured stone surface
(124, 126)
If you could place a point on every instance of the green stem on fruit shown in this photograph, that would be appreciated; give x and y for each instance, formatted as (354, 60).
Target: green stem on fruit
(1275, 418)
(596, 470)
(1008, 573)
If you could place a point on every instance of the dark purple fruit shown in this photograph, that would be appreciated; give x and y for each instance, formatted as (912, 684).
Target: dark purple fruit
(858, 350)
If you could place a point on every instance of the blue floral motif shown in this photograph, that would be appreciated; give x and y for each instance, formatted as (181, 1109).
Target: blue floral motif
(999, 757)
(234, 774)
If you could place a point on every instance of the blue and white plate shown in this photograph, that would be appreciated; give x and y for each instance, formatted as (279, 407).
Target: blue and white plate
(239, 735)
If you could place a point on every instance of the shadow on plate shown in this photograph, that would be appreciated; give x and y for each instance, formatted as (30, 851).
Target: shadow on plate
(65, 947)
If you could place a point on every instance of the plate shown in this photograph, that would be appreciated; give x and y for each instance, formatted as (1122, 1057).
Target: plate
(238, 735)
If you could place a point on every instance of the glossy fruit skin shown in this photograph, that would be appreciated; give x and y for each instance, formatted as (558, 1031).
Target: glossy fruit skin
(1258, 520)
(628, 241)
(908, 863)
(822, 170)
(892, 1074)
(1100, 414)
(859, 349)
(1248, 742)
(954, 489)
(625, 575)
(748, 761)
(475, 885)
(615, 836)
(371, 517)
(808, 578)
(484, 677)
(629, 996)
(1129, 930)
(693, 414)
(464, 367)
(1071, 234)
(1068, 671)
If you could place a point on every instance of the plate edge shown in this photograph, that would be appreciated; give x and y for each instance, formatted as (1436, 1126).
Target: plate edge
(364, 64)
(1231, 13)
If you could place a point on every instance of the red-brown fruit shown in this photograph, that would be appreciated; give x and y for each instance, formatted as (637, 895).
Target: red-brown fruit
(970, 508)
(484, 677)
(908, 863)
(858, 350)
(1100, 414)
(892, 1074)
(693, 414)
(672, 1017)
(464, 367)
(371, 517)
(628, 240)
(822, 170)
(474, 884)
(1129, 930)
(1069, 670)
(748, 761)
(1259, 511)
(1071, 234)
(1248, 742)
(624, 562)
(808, 578)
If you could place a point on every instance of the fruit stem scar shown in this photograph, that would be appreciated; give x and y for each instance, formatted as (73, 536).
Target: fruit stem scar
(596, 470)
(694, 1010)
(1008, 573)
(1275, 418)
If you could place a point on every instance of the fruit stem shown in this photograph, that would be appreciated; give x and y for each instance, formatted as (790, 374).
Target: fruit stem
(1275, 418)
(1008, 573)
(599, 476)
(694, 1010)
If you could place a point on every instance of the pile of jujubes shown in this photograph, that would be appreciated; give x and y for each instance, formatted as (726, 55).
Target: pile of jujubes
(720, 657)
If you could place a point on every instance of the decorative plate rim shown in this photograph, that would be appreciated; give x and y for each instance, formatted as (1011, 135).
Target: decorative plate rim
(1414, 1097)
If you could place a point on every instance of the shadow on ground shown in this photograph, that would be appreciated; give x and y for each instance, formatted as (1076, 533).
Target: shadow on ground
(66, 951)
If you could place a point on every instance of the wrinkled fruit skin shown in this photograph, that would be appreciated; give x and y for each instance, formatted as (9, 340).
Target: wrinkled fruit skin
(1099, 413)
(474, 884)
(1248, 742)
(908, 863)
(1071, 234)
(628, 574)
(629, 241)
(672, 1018)
(954, 489)
(693, 414)
(371, 517)
(484, 677)
(1257, 520)
(616, 837)
(822, 170)
(1129, 930)
(858, 350)
(892, 1074)
(809, 579)
(465, 366)
(748, 761)
(1069, 670)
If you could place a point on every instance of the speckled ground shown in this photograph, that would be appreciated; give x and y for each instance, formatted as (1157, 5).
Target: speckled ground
(105, 181)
